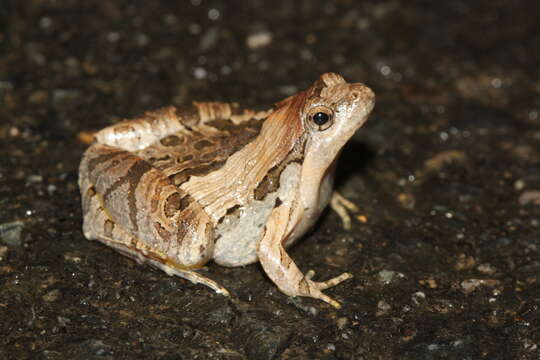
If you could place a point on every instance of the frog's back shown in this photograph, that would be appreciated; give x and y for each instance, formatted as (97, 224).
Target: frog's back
(200, 150)
(131, 178)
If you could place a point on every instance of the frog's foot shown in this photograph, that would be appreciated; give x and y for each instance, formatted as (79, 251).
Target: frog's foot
(340, 205)
(279, 266)
(314, 288)
(190, 275)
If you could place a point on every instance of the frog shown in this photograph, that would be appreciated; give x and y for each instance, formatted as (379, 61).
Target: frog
(213, 181)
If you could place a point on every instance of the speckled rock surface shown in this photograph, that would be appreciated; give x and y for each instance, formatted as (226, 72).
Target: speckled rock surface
(446, 248)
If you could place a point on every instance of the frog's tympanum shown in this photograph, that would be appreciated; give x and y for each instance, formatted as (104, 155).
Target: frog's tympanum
(179, 187)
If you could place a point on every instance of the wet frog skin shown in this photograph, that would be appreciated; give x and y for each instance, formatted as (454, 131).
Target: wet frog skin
(179, 187)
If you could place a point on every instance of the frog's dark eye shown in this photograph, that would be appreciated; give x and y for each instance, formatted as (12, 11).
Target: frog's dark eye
(321, 118)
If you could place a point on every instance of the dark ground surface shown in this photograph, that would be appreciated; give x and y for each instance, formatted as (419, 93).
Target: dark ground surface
(447, 173)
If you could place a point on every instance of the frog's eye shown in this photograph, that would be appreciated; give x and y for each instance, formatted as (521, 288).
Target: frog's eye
(321, 118)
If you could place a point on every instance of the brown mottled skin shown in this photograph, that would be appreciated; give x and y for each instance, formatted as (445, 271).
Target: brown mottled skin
(181, 186)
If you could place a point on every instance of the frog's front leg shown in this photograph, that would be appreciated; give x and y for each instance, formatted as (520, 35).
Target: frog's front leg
(279, 266)
(340, 205)
(135, 209)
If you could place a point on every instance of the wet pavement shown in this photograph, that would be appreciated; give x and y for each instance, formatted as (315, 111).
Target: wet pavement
(445, 250)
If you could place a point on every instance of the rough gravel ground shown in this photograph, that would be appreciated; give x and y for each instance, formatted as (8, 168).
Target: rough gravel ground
(445, 250)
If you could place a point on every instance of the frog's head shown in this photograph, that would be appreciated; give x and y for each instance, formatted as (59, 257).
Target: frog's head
(332, 112)
(312, 125)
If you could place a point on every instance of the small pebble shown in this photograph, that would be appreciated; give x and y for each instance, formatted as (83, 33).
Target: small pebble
(430, 283)
(471, 285)
(72, 257)
(52, 295)
(464, 262)
(382, 308)
(342, 322)
(3, 252)
(10, 233)
(259, 39)
(418, 297)
(529, 197)
(387, 276)
(487, 269)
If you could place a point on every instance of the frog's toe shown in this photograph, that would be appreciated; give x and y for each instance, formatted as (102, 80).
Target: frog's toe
(341, 206)
(315, 287)
(334, 281)
(327, 299)
(316, 293)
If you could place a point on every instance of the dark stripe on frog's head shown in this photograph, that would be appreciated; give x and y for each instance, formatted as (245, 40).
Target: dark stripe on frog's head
(316, 89)
(325, 80)
(290, 113)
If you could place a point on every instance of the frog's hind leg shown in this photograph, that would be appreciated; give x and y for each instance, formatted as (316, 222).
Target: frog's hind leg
(98, 225)
(134, 209)
(191, 275)
(168, 267)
